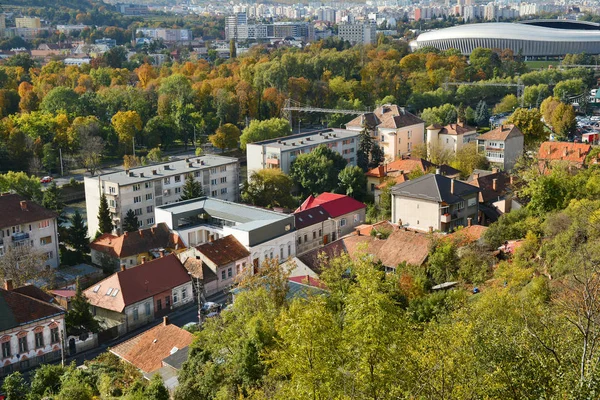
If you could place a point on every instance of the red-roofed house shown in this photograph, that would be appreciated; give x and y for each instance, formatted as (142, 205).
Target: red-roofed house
(346, 211)
(451, 137)
(314, 228)
(572, 153)
(135, 296)
(131, 247)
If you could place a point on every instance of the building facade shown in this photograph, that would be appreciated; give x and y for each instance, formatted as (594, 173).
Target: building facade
(358, 33)
(27, 22)
(282, 152)
(396, 130)
(315, 228)
(166, 35)
(502, 146)
(450, 138)
(434, 203)
(346, 212)
(144, 188)
(25, 223)
(265, 234)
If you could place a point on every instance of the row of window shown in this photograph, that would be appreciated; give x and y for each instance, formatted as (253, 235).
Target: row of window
(494, 154)
(314, 236)
(17, 228)
(23, 345)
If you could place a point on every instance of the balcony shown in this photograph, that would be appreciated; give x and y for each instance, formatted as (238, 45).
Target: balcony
(445, 218)
(273, 161)
(20, 236)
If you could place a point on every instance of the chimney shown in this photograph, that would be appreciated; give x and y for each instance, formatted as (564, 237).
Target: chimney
(501, 127)
(579, 152)
(165, 320)
(8, 284)
(125, 234)
(141, 232)
(438, 171)
(494, 184)
(452, 186)
(152, 230)
(161, 253)
(123, 267)
(469, 221)
(132, 174)
(141, 174)
(381, 170)
(357, 232)
(431, 229)
(512, 180)
(24, 205)
(143, 259)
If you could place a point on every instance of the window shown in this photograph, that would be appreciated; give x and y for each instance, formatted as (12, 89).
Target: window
(149, 209)
(137, 199)
(45, 240)
(167, 180)
(224, 191)
(382, 138)
(356, 218)
(314, 234)
(213, 170)
(149, 196)
(320, 233)
(137, 211)
(197, 174)
(271, 254)
(214, 193)
(343, 222)
(49, 255)
(23, 348)
(471, 202)
(148, 185)
(112, 190)
(175, 297)
(305, 238)
(229, 272)
(5, 349)
(136, 314)
(213, 181)
(183, 293)
(140, 224)
(150, 221)
(39, 340)
(147, 309)
(44, 224)
(223, 275)
(409, 134)
(111, 203)
(54, 337)
(136, 187)
(224, 179)
(299, 239)
(460, 205)
(289, 251)
(177, 190)
(281, 253)
(167, 192)
(223, 168)
(177, 178)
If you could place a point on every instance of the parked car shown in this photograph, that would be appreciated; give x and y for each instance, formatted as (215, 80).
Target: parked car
(46, 179)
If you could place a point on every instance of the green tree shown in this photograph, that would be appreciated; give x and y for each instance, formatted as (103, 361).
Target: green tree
(529, 121)
(232, 49)
(52, 199)
(79, 318)
(60, 99)
(21, 184)
(269, 188)
(105, 224)
(364, 148)
(46, 381)
(263, 130)
(482, 114)
(155, 155)
(77, 236)
(159, 131)
(130, 222)
(443, 261)
(192, 188)
(468, 159)
(156, 389)
(15, 387)
(566, 89)
(508, 104)
(317, 172)
(127, 124)
(563, 120)
(353, 182)
(226, 137)
(50, 158)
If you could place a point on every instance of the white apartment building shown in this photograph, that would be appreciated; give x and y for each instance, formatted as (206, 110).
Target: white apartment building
(281, 152)
(358, 33)
(144, 188)
(167, 35)
(451, 137)
(27, 22)
(25, 223)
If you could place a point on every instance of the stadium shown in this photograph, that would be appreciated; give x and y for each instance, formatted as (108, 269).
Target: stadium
(539, 38)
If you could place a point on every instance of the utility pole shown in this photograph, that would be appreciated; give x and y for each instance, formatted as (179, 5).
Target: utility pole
(61, 162)
(133, 146)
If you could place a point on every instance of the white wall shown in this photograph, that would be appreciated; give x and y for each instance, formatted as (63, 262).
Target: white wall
(418, 214)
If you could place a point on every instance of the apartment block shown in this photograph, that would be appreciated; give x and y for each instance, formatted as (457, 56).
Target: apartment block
(25, 223)
(144, 188)
(166, 35)
(281, 152)
(26, 22)
(358, 33)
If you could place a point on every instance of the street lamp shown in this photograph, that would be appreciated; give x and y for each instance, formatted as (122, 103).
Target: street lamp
(62, 343)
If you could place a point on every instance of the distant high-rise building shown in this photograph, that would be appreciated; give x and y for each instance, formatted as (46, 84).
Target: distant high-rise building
(26, 22)
(358, 33)
(233, 22)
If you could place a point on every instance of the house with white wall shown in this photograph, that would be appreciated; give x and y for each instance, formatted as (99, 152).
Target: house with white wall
(450, 138)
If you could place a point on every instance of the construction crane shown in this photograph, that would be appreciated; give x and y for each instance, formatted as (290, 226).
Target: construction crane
(293, 105)
(519, 85)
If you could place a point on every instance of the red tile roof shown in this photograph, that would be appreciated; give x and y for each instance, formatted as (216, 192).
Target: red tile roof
(564, 151)
(18, 309)
(405, 165)
(308, 280)
(35, 292)
(335, 204)
(16, 210)
(501, 133)
(223, 251)
(147, 350)
(138, 283)
(467, 235)
(387, 116)
(133, 243)
(452, 129)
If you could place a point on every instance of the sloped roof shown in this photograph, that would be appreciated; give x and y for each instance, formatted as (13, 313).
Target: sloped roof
(388, 116)
(17, 309)
(35, 292)
(433, 187)
(335, 204)
(311, 216)
(396, 179)
(502, 133)
(452, 129)
(147, 350)
(13, 213)
(485, 182)
(137, 283)
(406, 165)
(223, 251)
(468, 234)
(564, 151)
(199, 270)
(133, 243)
